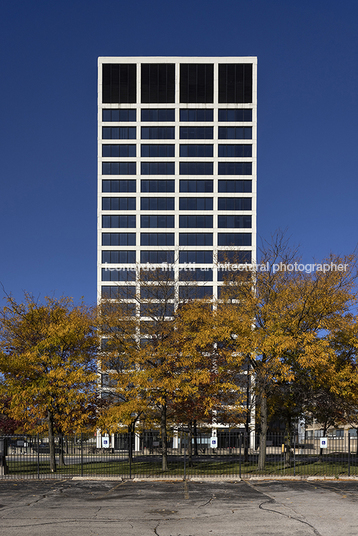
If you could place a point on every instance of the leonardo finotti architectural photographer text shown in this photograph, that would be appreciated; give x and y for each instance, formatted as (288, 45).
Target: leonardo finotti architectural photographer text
(227, 267)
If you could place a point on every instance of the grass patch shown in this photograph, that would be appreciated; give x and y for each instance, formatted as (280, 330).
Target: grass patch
(145, 466)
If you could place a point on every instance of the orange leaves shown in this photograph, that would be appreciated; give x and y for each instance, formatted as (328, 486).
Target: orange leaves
(48, 361)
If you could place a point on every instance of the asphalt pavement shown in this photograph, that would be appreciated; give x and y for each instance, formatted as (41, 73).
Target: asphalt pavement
(178, 508)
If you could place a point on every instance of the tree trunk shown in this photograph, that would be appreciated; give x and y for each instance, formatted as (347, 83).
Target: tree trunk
(61, 458)
(263, 432)
(196, 451)
(51, 440)
(190, 444)
(288, 445)
(163, 430)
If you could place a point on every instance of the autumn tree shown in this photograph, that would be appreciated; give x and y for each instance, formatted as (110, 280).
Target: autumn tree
(282, 316)
(48, 366)
(164, 359)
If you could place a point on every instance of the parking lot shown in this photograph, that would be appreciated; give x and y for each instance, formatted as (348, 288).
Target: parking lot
(178, 508)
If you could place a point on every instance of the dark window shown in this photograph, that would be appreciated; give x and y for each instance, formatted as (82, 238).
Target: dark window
(157, 309)
(157, 292)
(196, 82)
(234, 257)
(150, 222)
(157, 168)
(196, 133)
(237, 151)
(119, 115)
(118, 203)
(118, 222)
(118, 150)
(162, 150)
(234, 222)
(118, 168)
(235, 168)
(195, 186)
(195, 222)
(233, 186)
(195, 239)
(234, 203)
(119, 133)
(157, 203)
(235, 133)
(202, 257)
(195, 168)
(158, 133)
(195, 274)
(196, 203)
(190, 292)
(118, 257)
(163, 274)
(155, 256)
(234, 239)
(157, 186)
(118, 292)
(196, 115)
(158, 115)
(157, 239)
(196, 150)
(235, 82)
(158, 82)
(119, 82)
(118, 186)
(235, 115)
(118, 239)
(118, 274)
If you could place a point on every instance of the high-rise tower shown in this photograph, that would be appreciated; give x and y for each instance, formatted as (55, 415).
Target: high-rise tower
(176, 171)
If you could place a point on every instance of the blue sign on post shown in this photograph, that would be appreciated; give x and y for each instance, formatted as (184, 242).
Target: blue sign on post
(323, 443)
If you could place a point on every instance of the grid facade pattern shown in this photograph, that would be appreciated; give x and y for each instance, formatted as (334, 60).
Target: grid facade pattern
(176, 171)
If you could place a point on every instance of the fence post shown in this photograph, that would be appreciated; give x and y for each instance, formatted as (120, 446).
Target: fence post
(184, 457)
(294, 454)
(130, 453)
(349, 454)
(240, 436)
(38, 455)
(81, 454)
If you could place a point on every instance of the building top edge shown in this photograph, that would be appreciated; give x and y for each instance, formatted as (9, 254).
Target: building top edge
(188, 59)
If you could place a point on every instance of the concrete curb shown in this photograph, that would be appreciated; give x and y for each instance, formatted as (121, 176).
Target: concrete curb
(100, 478)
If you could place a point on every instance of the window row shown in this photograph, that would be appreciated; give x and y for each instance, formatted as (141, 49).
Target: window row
(125, 292)
(167, 203)
(124, 274)
(168, 150)
(167, 239)
(167, 222)
(186, 273)
(168, 168)
(188, 115)
(168, 257)
(185, 133)
(162, 185)
(196, 83)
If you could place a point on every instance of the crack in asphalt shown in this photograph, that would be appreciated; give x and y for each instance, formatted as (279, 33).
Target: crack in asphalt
(272, 500)
(155, 529)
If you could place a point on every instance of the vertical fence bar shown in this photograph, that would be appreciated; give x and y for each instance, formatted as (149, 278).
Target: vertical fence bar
(184, 457)
(294, 454)
(130, 454)
(240, 436)
(38, 455)
(349, 454)
(81, 454)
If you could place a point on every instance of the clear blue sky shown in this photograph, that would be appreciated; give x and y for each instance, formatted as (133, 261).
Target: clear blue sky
(307, 121)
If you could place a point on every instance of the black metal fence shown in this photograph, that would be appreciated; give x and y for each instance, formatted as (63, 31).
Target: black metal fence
(138, 455)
